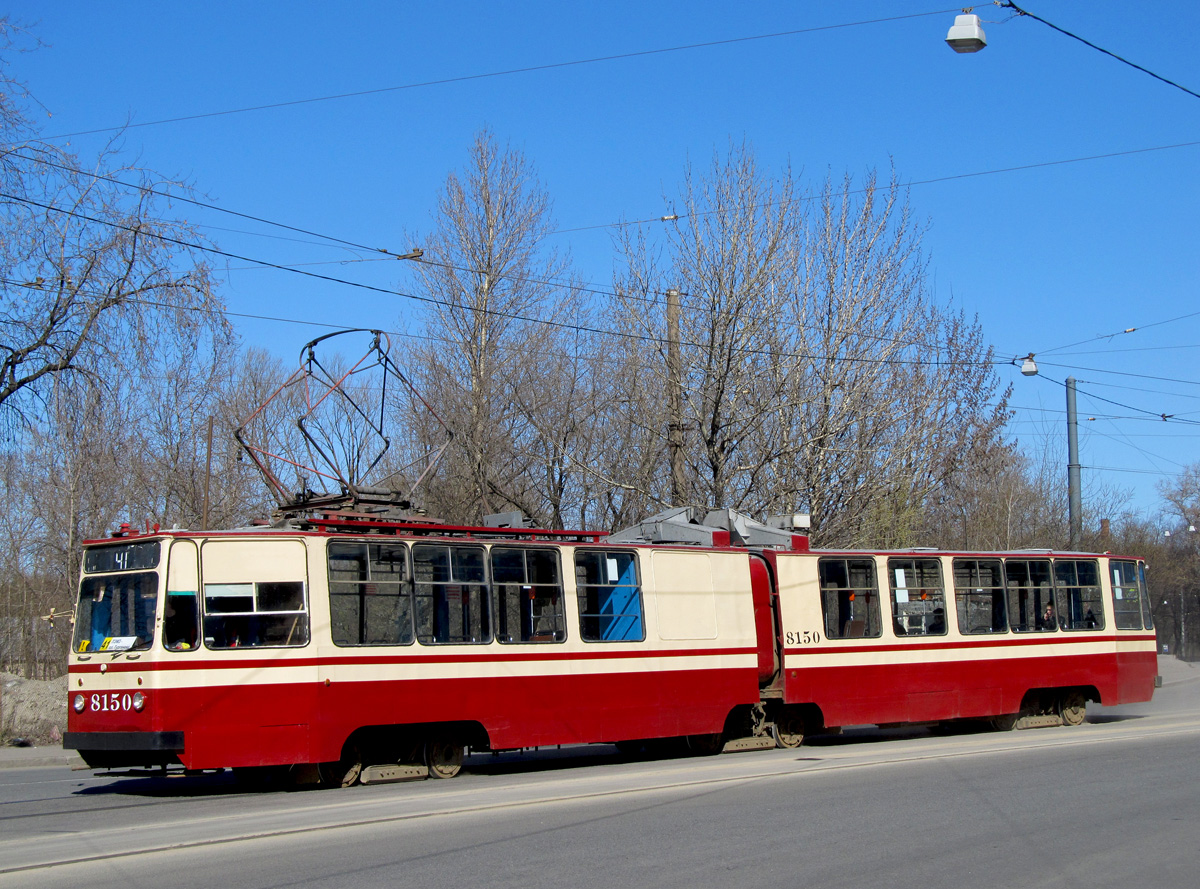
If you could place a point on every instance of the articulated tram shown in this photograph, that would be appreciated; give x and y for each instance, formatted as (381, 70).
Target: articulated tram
(345, 647)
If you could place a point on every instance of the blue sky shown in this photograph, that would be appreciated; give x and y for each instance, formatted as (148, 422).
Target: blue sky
(1047, 257)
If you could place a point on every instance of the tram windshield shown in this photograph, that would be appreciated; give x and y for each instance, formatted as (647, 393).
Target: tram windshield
(117, 607)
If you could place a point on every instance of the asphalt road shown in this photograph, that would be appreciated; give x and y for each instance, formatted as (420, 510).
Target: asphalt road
(1114, 802)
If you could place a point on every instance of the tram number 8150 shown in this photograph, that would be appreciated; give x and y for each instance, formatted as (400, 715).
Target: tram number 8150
(114, 701)
(804, 637)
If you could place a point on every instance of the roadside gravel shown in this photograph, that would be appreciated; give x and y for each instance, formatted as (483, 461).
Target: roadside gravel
(32, 709)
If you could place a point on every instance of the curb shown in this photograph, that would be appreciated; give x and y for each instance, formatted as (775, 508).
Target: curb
(39, 758)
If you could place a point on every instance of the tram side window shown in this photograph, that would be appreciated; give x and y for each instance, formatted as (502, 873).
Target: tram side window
(1127, 600)
(181, 610)
(918, 600)
(452, 594)
(850, 598)
(529, 595)
(370, 594)
(979, 596)
(254, 592)
(1030, 596)
(265, 614)
(1080, 606)
(610, 597)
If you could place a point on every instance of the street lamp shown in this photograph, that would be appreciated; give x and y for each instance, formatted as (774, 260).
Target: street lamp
(966, 35)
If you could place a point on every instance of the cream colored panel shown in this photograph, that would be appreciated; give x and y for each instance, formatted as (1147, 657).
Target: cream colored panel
(253, 561)
(683, 594)
(182, 569)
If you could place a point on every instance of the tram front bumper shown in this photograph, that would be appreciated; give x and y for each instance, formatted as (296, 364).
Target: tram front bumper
(106, 750)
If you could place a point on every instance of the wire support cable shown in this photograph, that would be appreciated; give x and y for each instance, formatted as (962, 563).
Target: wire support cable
(1007, 4)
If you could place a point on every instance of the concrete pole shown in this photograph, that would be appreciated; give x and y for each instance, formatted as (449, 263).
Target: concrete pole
(1075, 508)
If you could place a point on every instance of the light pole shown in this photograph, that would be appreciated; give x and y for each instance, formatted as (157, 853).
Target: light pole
(1074, 497)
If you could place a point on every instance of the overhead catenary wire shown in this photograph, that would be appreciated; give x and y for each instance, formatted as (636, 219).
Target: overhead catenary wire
(1123, 439)
(578, 328)
(1125, 469)
(1121, 373)
(574, 327)
(550, 66)
(1165, 417)
(901, 185)
(549, 322)
(1017, 9)
(1124, 332)
(587, 287)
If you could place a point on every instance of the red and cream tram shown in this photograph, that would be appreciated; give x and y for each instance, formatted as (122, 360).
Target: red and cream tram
(345, 647)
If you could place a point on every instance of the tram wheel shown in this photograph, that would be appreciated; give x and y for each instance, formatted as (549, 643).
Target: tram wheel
(788, 731)
(444, 757)
(1074, 708)
(260, 777)
(1005, 723)
(635, 749)
(340, 773)
(706, 745)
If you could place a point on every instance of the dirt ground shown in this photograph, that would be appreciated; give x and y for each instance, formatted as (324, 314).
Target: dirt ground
(33, 710)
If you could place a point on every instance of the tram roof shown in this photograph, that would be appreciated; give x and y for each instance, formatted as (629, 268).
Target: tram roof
(359, 526)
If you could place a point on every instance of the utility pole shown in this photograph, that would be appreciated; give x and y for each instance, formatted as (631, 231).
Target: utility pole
(207, 475)
(674, 399)
(1075, 508)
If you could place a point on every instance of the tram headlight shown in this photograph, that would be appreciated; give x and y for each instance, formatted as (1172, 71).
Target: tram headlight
(79, 703)
(139, 701)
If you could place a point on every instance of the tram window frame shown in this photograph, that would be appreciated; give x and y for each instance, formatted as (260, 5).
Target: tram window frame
(254, 592)
(536, 582)
(463, 577)
(111, 558)
(377, 602)
(849, 600)
(1078, 595)
(181, 605)
(252, 616)
(1126, 618)
(603, 580)
(1147, 605)
(972, 596)
(1023, 586)
(128, 627)
(926, 614)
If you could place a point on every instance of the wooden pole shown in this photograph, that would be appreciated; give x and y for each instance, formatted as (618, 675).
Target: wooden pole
(207, 476)
(675, 400)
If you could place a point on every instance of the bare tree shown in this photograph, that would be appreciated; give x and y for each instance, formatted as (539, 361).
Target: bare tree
(734, 257)
(1176, 577)
(90, 271)
(488, 355)
(818, 374)
(107, 312)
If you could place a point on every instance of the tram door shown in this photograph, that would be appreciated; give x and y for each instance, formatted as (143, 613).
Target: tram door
(765, 603)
